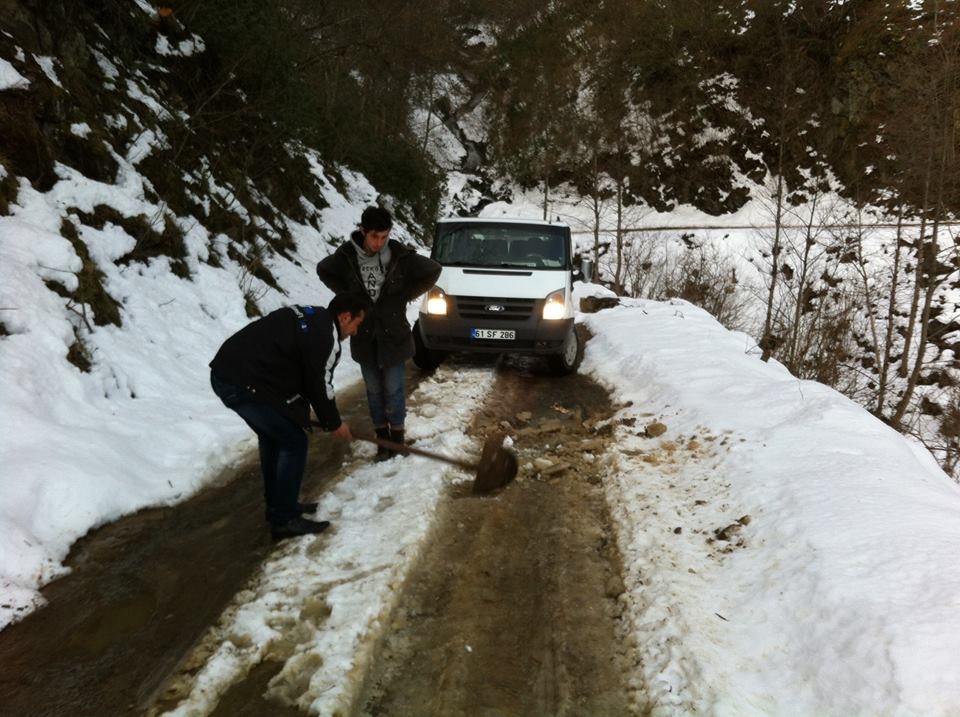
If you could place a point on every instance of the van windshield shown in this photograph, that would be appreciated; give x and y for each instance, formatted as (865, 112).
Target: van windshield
(520, 246)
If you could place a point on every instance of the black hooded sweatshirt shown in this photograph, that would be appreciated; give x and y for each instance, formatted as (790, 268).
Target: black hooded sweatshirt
(384, 338)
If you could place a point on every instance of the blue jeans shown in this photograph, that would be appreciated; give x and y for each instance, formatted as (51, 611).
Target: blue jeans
(283, 448)
(386, 394)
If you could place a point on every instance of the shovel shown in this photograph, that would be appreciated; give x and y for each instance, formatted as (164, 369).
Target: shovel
(497, 466)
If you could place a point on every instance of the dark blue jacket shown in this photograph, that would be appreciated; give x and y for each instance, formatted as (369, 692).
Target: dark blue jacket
(286, 360)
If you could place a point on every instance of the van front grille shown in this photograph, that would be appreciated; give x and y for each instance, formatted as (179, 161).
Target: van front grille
(499, 308)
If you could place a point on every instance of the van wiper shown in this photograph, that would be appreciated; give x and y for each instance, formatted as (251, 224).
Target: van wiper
(488, 265)
(478, 264)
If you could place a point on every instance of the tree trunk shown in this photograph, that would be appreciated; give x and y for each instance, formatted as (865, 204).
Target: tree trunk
(888, 329)
(618, 271)
(546, 196)
(903, 369)
(803, 271)
(767, 340)
(926, 269)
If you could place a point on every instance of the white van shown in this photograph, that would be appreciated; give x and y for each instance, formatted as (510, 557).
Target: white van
(506, 287)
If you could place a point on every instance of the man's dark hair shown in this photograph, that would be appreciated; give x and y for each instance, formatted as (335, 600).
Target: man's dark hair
(351, 303)
(376, 219)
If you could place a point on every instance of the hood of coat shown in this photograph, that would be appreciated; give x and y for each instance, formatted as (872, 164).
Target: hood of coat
(391, 250)
(356, 236)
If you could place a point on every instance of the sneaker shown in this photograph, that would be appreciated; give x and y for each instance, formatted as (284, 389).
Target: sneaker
(298, 526)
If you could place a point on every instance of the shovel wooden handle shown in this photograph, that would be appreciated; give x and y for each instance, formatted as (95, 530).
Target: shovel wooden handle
(497, 466)
(404, 448)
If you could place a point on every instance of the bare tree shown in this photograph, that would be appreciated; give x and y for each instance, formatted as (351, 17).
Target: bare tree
(802, 258)
(929, 141)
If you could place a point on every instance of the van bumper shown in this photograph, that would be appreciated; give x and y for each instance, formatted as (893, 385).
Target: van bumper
(533, 335)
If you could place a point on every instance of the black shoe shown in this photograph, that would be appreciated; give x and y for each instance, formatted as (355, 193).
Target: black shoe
(396, 435)
(383, 453)
(301, 508)
(298, 526)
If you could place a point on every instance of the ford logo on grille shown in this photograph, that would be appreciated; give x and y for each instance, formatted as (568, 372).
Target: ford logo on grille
(496, 307)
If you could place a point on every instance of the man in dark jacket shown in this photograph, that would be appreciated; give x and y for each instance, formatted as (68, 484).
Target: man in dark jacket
(271, 372)
(391, 275)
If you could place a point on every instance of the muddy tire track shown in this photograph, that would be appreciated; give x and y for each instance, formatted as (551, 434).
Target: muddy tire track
(514, 606)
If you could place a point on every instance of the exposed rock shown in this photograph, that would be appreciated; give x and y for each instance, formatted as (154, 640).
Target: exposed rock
(594, 445)
(731, 530)
(554, 469)
(655, 429)
(593, 304)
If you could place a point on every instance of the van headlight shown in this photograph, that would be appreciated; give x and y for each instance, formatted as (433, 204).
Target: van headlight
(436, 302)
(555, 306)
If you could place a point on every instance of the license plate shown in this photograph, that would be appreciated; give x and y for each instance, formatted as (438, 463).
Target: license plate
(496, 334)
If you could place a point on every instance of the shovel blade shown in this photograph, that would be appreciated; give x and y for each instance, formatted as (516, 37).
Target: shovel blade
(498, 465)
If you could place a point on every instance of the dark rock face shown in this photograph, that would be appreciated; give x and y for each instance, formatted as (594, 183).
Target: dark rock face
(593, 304)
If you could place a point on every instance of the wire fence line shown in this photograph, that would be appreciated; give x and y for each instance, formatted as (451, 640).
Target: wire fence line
(760, 227)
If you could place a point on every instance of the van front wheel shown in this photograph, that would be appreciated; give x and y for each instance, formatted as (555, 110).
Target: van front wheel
(570, 355)
(424, 358)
